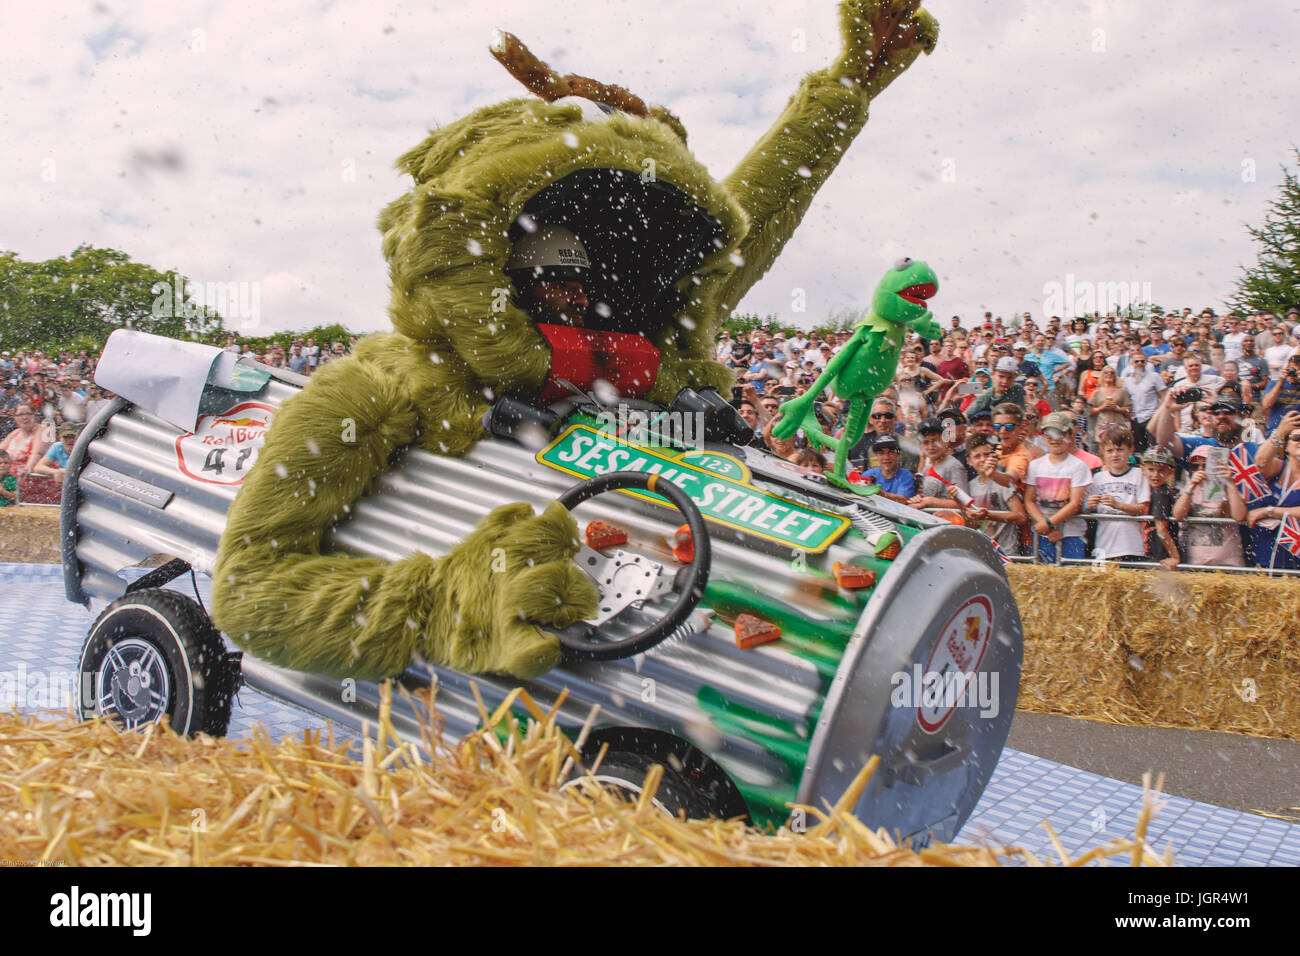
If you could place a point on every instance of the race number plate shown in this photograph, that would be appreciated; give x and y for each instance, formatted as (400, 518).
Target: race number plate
(222, 448)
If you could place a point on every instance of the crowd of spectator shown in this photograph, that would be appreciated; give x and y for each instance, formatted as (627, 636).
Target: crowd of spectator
(45, 400)
(1028, 430)
(1022, 430)
(302, 356)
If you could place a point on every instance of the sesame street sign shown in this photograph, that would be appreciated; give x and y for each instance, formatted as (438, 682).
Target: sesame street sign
(587, 453)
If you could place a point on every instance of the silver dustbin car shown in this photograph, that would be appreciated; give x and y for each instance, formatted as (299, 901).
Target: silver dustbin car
(885, 631)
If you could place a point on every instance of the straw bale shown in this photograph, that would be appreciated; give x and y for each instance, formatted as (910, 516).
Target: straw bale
(30, 534)
(89, 795)
(1206, 651)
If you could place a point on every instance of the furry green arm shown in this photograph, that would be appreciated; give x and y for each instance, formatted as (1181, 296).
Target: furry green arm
(477, 609)
(776, 181)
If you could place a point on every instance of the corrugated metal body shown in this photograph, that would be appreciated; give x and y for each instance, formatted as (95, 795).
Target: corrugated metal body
(758, 713)
(431, 503)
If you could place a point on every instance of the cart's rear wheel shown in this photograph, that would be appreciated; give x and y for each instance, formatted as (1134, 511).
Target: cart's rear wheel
(153, 653)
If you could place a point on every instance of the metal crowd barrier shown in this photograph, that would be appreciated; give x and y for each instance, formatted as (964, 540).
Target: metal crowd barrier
(1095, 562)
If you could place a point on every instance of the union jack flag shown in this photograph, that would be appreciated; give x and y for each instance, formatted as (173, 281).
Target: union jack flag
(1006, 559)
(1288, 536)
(1246, 476)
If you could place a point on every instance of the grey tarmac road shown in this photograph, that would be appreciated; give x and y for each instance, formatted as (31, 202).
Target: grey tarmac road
(1228, 770)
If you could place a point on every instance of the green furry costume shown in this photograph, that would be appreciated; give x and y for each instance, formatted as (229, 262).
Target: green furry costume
(276, 594)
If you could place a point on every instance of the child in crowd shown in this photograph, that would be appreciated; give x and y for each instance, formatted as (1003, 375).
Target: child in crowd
(1162, 533)
(1000, 511)
(8, 483)
(1054, 491)
(1118, 488)
(1080, 409)
(1034, 442)
(810, 459)
(937, 492)
(895, 483)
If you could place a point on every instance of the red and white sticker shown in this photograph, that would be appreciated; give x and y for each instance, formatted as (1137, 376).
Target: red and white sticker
(955, 661)
(222, 448)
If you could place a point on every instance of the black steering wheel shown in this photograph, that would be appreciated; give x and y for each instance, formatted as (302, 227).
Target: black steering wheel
(590, 642)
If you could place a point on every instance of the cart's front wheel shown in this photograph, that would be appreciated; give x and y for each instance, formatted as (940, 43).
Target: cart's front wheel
(154, 653)
(625, 774)
(691, 785)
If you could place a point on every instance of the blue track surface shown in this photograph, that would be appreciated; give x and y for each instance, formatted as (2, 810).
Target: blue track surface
(41, 634)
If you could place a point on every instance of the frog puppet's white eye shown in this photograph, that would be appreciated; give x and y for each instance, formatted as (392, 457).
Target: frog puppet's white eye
(592, 111)
(902, 263)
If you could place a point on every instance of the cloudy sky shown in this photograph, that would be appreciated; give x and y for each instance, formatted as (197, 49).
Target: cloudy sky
(254, 142)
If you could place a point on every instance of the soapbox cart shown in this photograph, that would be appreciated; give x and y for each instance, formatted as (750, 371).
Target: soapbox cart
(761, 634)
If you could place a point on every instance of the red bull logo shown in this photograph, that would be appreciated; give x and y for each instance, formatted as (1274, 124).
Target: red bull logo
(222, 448)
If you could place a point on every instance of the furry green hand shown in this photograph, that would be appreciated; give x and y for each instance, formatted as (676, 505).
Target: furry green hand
(496, 591)
(792, 415)
(927, 327)
(881, 39)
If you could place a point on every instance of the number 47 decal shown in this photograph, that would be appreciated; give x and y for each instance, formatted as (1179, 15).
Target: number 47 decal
(223, 448)
(216, 460)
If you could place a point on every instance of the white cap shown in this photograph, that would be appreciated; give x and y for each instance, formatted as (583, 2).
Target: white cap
(1006, 365)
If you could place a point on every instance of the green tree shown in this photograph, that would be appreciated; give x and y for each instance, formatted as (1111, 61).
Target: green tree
(747, 322)
(83, 297)
(1273, 284)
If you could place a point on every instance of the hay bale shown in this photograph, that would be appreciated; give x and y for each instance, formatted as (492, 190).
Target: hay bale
(90, 795)
(1177, 649)
(30, 534)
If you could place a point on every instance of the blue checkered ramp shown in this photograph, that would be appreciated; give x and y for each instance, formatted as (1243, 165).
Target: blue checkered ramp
(1086, 810)
(40, 632)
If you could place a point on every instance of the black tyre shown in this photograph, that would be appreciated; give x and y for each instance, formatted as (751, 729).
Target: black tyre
(692, 785)
(154, 653)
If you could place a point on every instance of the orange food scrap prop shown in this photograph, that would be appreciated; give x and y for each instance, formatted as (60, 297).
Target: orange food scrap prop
(683, 544)
(752, 631)
(853, 577)
(602, 535)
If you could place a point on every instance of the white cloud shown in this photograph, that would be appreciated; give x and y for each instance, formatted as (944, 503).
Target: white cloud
(255, 142)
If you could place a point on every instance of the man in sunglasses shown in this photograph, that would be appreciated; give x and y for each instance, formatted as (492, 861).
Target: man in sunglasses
(1014, 452)
(1144, 388)
(883, 417)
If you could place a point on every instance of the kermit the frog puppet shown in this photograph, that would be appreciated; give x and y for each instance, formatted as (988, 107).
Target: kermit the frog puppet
(671, 252)
(865, 365)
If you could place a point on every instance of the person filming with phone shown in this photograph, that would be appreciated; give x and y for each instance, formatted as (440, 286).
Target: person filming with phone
(1283, 395)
